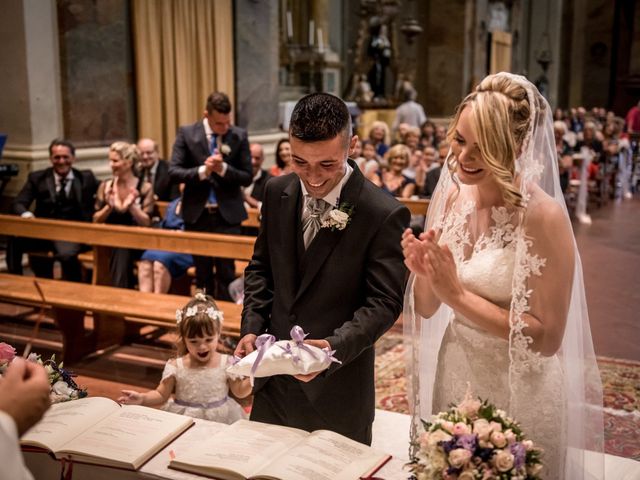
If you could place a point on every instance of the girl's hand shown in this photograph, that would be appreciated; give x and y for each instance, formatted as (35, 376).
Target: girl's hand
(130, 397)
(442, 272)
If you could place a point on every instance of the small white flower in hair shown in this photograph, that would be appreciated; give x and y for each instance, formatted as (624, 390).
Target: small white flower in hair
(191, 311)
(200, 296)
(214, 314)
(178, 316)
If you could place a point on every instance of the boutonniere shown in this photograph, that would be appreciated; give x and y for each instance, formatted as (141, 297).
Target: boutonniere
(225, 149)
(338, 218)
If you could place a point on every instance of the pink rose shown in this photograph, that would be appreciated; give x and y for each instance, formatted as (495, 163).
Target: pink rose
(498, 439)
(503, 460)
(7, 353)
(448, 426)
(510, 436)
(469, 407)
(496, 427)
(461, 428)
(528, 444)
(459, 457)
(466, 475)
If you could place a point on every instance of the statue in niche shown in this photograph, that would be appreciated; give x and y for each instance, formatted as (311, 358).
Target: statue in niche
(379, 51)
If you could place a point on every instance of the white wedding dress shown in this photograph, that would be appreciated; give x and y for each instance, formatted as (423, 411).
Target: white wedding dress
(470, 355)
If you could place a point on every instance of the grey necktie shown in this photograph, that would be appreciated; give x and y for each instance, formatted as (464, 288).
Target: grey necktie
(314, 208)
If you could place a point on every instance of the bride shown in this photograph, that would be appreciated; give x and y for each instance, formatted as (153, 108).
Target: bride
(496, 296)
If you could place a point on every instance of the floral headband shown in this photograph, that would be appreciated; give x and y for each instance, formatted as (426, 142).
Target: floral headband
(211, 312)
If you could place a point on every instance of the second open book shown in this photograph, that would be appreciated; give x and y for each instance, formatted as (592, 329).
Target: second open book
(253, 450)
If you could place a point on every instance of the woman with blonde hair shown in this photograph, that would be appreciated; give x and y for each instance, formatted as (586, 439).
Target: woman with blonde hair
(394, 180)
(379, 136)
(124, 199)
(496, 299)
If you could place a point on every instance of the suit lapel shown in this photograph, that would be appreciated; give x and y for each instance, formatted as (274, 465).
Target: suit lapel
(326, 239)
(289, 225)
(76, 187)
(51, 185)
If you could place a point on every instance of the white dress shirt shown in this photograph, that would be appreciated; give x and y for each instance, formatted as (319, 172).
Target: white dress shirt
(11, 461)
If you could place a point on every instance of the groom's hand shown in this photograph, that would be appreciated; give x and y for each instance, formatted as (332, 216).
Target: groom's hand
(246, 345)
(310, 376)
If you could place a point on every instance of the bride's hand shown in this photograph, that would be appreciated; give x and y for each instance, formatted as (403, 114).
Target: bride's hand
(414, 251)
(443, 273)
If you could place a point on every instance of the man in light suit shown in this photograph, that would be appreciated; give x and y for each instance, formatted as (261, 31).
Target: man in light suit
(344, 285)
(211, 157)
(61, 192)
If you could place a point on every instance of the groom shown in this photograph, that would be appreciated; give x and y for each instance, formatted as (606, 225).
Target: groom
(343, 284)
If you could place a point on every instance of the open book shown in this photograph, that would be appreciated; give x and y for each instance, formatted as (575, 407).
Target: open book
(254, 450)
(100, 431)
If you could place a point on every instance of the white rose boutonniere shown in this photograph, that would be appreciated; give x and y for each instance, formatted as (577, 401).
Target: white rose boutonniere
(225, 149)
(338, 218)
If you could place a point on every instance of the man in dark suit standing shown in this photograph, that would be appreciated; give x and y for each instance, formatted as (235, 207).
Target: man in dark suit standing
(211, 157)
(156, 171)
(342, 282)
(61, 192)
(254, 193)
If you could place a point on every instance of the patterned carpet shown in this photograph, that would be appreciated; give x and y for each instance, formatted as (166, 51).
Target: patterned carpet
(620, 379)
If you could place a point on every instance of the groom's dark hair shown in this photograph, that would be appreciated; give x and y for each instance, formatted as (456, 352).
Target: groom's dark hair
(320, 116)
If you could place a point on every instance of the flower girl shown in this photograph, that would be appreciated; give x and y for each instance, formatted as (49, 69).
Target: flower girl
(197, 376)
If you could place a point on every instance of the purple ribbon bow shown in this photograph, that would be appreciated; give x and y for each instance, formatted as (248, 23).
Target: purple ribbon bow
(297, 335)
(263, 342)
(288, 351)
(329, 355)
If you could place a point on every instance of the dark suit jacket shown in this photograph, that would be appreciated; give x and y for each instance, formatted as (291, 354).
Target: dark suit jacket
(163, 188)
(190, 150)
(346, 288)
(41, 188)
(258, 185)
(430, 183)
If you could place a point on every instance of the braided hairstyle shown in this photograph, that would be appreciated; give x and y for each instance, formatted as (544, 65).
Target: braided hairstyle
(128, 152)
(500, 117)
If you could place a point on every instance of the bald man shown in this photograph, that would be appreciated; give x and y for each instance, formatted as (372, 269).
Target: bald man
(156, 171)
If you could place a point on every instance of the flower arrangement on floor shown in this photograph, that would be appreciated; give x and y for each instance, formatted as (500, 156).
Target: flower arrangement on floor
(475, 441)
(63, 387)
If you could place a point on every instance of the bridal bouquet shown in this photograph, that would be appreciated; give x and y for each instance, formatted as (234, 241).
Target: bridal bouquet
(475, 441)
(63, 387)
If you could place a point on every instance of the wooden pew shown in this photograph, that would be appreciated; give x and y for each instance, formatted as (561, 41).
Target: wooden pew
(104, 237)
(252, 221)
(416, 207)
(110, 306)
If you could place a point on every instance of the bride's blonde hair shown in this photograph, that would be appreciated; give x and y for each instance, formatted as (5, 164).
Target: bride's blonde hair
(500, 115)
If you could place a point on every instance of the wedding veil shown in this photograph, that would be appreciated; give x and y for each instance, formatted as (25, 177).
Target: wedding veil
(537, 169)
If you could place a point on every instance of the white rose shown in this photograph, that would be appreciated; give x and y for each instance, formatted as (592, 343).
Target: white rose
(459, 457)
(61, 388)
(339, 216)
(225, 149)
(481, 428)
(438, 436)
(503, 460)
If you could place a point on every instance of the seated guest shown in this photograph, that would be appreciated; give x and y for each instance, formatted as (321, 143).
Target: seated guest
(428, 134)
(156, 171)
(157, 268)
(124, 199)
(411, 138)
(61, 192)
(283, 159)
(254, 193)
(379, 136)
(428, 173)
(393, 180)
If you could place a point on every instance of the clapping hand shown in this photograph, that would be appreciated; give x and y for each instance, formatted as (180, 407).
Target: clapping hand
(130, 199)
(214, 162)
(424, 257)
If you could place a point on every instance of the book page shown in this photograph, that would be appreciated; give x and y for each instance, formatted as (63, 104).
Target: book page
(64, 421)
(202, 431)
(325, 455)
(130, 435)
(244, 448)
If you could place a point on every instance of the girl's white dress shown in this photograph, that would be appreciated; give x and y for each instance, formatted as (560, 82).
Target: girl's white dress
(202, 392)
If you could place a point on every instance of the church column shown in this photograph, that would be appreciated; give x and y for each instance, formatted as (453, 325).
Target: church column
(30, 102)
